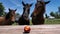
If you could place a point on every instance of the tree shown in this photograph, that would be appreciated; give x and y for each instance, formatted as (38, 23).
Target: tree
(2, 13)
(59, 9)
(46, 16)
(17, 14)
(52, 14)
(56, 14)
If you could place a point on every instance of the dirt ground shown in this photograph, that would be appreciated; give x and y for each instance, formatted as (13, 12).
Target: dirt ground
(35, 29)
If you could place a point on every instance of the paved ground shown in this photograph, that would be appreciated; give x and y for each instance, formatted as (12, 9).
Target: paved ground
(35, 29)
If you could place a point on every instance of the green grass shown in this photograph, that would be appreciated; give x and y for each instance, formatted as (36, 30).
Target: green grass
(30, 22)
(47, 21)
(52, 21)
(15, 23)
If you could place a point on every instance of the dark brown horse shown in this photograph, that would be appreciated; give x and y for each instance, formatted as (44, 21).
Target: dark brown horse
(24, 19)
(9, 19)
(38, 14)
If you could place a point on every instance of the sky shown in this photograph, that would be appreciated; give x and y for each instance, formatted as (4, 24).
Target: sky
(17, 4)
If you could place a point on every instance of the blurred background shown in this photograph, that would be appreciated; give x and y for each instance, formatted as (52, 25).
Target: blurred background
(52, 14)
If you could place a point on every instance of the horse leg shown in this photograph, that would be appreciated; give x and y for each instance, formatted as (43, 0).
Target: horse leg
(34, 21)
(42, 20)
(38, 21)
(27, 22)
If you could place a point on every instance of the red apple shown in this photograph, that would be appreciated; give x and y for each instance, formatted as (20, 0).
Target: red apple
(27, 29)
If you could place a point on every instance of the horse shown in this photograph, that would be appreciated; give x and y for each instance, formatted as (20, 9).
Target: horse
(24, 19)
(38, 13)
(9, 19)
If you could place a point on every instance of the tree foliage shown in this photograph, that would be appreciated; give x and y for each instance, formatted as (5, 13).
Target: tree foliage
(56, 14)
(46, 16)
(2, 13)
